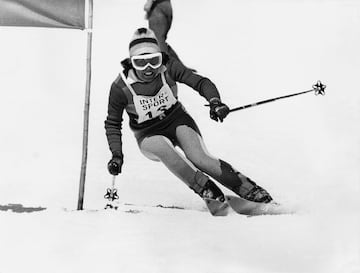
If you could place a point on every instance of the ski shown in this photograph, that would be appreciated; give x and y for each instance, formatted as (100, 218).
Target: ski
(217, 208)
(249, 208)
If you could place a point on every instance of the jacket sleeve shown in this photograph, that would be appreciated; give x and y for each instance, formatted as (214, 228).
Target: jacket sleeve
(113, 123)
(182, 74)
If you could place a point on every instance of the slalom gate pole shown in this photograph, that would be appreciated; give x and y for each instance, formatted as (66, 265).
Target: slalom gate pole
(318, 88)
(80, 204)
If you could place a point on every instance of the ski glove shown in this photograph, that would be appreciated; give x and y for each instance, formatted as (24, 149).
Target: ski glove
(115, 164)
(218, 110)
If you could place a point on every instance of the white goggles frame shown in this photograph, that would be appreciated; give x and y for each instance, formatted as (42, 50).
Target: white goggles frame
(145, 57)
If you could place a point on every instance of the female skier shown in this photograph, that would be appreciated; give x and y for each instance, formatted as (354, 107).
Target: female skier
(147, 90)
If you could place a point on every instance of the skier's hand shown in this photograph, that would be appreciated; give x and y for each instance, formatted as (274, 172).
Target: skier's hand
(115, 164)
(218, 110)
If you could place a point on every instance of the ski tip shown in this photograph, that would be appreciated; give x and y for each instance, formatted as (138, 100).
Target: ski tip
(217, 208)
(250, 208)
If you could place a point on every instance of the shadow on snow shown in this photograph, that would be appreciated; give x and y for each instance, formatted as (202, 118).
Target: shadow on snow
(19, 208)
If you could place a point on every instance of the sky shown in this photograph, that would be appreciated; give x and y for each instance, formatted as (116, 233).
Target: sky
(304, 150)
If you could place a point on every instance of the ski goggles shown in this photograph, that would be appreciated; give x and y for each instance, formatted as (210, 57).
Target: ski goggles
(141, 62)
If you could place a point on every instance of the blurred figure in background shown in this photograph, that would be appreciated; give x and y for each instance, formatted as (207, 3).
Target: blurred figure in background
(160, 15)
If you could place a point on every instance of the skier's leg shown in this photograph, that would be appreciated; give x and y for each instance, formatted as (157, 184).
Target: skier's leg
(194, 148)
(160, 148)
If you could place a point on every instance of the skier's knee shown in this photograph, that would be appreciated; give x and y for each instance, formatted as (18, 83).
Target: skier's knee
(201, 159)
(155, 148)
(150, 156)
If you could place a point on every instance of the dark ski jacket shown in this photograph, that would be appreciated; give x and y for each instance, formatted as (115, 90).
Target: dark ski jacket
(120, 98)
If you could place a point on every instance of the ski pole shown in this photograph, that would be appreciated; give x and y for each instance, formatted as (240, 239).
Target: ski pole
(318, 88)
(111, 194)
(113, 182)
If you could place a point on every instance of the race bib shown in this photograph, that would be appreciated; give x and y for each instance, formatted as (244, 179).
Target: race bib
(149, 107)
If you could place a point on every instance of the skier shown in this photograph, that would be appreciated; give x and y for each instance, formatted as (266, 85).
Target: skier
(159, 14)
(147, 90)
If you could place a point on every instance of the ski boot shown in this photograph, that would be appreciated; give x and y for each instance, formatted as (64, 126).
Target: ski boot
(211, 191)
(252, 192)
(211, 194)
(242, 185)
(206, 188)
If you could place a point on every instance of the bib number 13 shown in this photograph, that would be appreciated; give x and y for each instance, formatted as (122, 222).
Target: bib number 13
(157, 113)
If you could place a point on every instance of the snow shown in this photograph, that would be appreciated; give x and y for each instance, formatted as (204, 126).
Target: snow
(304, 150)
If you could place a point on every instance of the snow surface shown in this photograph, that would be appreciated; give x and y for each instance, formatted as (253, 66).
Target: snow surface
(304, 150)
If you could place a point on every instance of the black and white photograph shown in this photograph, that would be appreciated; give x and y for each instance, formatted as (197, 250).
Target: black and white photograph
(179, 136)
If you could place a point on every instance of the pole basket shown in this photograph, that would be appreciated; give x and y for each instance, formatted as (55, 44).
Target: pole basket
(319, 88)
